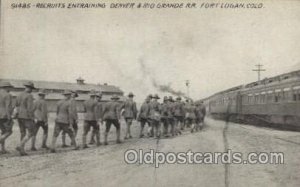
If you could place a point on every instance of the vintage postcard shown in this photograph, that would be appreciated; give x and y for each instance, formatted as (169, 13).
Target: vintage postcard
(149, 93)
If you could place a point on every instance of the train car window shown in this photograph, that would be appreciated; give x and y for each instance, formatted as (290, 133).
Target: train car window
(270, 96)
(296, 93)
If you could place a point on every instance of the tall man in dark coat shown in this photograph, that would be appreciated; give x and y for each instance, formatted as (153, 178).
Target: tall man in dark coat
(40, 119)
(130, 113)
(90, 118)
(6, 109)
(111, 115)
(63, 121)
(26, 116)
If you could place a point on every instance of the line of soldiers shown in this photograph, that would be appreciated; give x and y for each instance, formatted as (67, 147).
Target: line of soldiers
(175, 116)
(33, 114)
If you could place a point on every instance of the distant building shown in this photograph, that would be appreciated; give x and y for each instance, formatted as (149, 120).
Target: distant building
(54, 90)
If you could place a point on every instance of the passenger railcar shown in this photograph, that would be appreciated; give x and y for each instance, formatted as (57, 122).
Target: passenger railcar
(273, 101)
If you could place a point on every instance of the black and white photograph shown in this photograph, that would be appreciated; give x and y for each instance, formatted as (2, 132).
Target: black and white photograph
(152, 93)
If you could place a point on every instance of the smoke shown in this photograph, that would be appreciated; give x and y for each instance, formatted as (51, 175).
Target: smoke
(160, 87)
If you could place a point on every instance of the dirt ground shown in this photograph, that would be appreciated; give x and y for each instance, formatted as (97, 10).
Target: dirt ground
(105, 165)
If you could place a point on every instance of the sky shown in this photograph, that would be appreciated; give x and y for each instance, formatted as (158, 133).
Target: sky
(140, 49)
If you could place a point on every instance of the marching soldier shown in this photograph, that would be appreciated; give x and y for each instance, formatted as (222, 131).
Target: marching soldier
(41, 119)
(203, 111)
(155, 115)
(144, 115)
(150, 131)
(165, 115)
(99, 117)
(6, 109)
(190, 115)
(171, 117)
(26, 116)
(74, 118)
(90, 118)
(179, 113)
(130, 113)
(199, 116)
(111, 116)
(63, 120)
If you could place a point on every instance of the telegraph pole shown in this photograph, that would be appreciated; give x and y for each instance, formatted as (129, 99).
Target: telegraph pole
(187, 84)
(258, 70)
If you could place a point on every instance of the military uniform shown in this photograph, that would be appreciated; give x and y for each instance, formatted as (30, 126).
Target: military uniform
(190, 115)
(6, 109)
(200, 114)
(41, 120)
(144, 116)
(73, 118)
(130, 113)
(179, 113)
(99, 116)
(63, 121)
(155, 116)
(90, 119)
(26, 109)
(111, 116)
(171, 117)
(25, 114)
(165, 107)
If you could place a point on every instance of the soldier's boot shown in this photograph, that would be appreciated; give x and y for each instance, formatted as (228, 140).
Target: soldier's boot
(98, 143)
(21, 151)
(52, 149)
(63, 138)
(44, 144)
(3, 150)
(84, 145)
(118, 136)
(33, 139)
(92, 140)
(105, 138)
(129, 130)
(73, 142)
(141, 131)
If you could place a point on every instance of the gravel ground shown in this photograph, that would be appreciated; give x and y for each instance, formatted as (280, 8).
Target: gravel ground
(105, 165)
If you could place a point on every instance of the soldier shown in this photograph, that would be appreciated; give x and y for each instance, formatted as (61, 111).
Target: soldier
(179, 113)
(165, 116)
(74, 118)
(150, 131)
(6, 109)
(63, 121)
(26, 116)
(111, 116)
(199, 116)
(171, 117)
(130, 113)
(40, 119)
(144, 115)
(90, 118)
(203, 110)
(190, 115)
(99, 117)
(155, 114)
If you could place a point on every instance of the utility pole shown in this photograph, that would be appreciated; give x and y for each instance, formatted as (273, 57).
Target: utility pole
(258, 70)
(187, 84)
